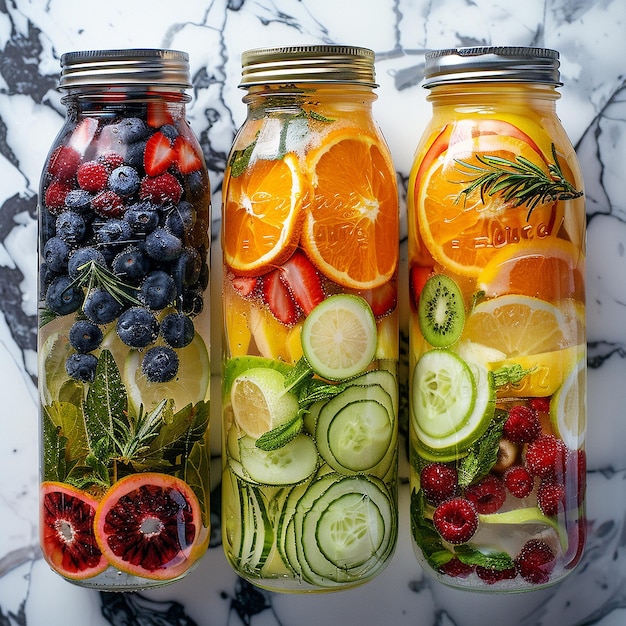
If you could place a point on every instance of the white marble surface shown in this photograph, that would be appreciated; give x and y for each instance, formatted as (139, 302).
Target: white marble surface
(591, 36)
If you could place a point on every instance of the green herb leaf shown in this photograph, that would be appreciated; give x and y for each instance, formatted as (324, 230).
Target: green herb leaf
(511, 374)
(492, 560)
(425, 535)
(281, 435)
(196, 475)
(240, 159)
(67, 420)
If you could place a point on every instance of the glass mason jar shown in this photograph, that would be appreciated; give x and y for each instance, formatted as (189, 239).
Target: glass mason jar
(310, 398)
(497, 335)
(123, 330)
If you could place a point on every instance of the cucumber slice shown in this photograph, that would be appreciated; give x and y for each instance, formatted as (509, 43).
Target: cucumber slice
(354, 429)
(291, 464)
(350, 530)
(386, 380)
(450, 442)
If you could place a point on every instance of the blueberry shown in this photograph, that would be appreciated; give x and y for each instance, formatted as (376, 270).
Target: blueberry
(124, 180)
(160, 364)
(163, 245)
(114, 231)
(134, 154)
(195, 185)
(71, 227)
(192, 301)
(131, 264)
(85, 336)
(63, 296)
(186, 269)
(157, 290)
(130, 129)
(101, 307)
(137, 327)
(170, 131)
(56, 254)
(78, 199)
(81, 367)
(177, 330)
(142, 218)
(81, 257)
(181, 218)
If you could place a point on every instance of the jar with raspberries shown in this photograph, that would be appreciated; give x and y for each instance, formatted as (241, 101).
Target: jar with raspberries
(124, 238)
(496, 219)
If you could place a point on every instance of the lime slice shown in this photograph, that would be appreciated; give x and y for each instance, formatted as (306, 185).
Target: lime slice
(189, 386)
(52, 356)
(452, 403)
(567, 407)
(339, 337)
(260, 401)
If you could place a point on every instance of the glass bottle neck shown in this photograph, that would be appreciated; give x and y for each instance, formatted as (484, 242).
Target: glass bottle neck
(493, 93)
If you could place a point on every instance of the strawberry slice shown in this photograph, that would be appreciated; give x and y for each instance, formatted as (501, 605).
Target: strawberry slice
(383, 299)
(157, 114)
(187, 159)
(418, 275)
(244, 285)
(303, 280)
(159, 154)
(277, 297)
(83, 135)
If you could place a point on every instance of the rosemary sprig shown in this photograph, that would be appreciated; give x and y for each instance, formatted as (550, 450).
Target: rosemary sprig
(520, 181)
(92, 274)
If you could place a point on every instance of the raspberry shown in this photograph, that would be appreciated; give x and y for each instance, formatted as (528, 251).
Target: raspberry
(438, 482)
(64, 162)
(545, 456)
(519, 481)
(92, 176)
(549, 496)
(522, 424)
(535, 562)
(161, 189)
(108, 204)
(111, 160)
(488, 495)
(541, 405)
(456, 520)
(55, 196)
(456, 568)
(491, 576)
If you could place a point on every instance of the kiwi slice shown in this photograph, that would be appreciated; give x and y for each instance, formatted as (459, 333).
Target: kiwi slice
(441, 312)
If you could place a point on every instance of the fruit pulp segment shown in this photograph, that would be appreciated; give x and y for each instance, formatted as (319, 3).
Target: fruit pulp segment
(123, 338)
(518, 267)
(320, 316)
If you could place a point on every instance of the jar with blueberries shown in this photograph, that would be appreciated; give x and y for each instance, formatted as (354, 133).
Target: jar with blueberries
(124, 215)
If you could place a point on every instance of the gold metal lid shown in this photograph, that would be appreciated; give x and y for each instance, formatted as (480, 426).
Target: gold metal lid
(308, 64)
(135, 66)
(491, 64)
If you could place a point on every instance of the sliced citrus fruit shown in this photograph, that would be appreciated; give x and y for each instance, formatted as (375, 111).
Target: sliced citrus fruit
(463, 232)
(517, 325)
(545, 372)
(148, 525)
(261, 215)
(269, 334)
(551, 269)
(339, 337)
(189, 386)
(352, 217)
(568, 407)
(67, 536)
(260, 401)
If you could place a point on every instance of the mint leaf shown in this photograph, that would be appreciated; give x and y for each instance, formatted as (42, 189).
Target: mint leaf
(511, 374)
(67, 420)
(240, 159)
(492, 560)
(281, 435)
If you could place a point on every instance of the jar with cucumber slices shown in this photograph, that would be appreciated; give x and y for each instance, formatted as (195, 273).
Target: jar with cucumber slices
(310, 394)
(496, 217)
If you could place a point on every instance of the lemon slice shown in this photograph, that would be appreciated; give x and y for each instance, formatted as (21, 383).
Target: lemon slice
(260, 401)
(339, 337)
(189, 386)
(568, 407)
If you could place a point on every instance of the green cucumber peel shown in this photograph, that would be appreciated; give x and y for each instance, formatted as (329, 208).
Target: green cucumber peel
(528, 515)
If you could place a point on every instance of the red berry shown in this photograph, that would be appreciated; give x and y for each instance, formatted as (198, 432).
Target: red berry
(277, 297)
(456, 520)
(244, 285)
(161, 189)
(535, 562)
(382, 300)
(418, 276)
(187, 159)
(92, 176)
(518, 481)
(303, 281)
(55, 196)
(488, 495)
(491, 576)
(158, 114)
(63, 163)
(158, 154)
(456, 568)
(111, 160)
(438, 482)
(549, 496)
(541, 405)
(545, 457)
(522, 424)
(108, 204)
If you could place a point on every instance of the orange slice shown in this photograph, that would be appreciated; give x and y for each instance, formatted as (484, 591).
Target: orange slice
(352, 220)
(261, 215)
(518, 325)
(550, 269)
(464, 232)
